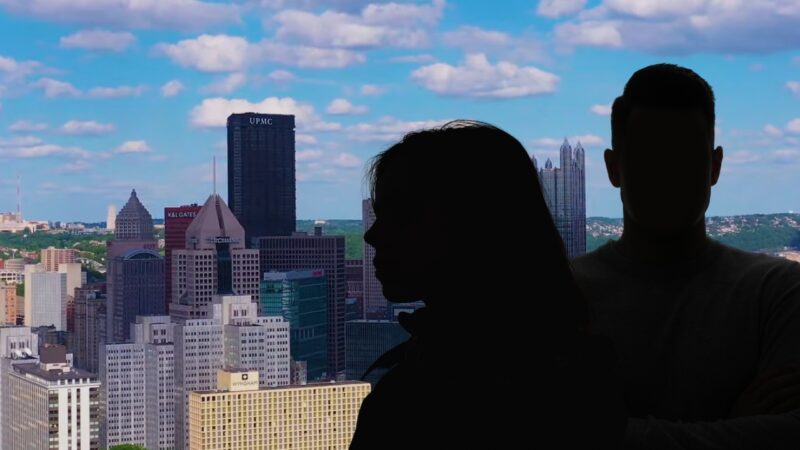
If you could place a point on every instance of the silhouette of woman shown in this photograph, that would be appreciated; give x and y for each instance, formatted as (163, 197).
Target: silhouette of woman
(499, 356)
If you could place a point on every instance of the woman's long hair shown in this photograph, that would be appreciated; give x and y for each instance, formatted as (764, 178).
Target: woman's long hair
(509, 258)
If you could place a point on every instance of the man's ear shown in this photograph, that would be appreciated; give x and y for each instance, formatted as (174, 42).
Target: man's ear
(716, 164)
(612, 166)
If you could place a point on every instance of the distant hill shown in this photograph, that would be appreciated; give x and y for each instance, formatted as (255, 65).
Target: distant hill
(766, 233)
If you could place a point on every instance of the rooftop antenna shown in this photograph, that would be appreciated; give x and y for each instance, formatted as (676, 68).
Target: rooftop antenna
(19, 199)
(214, 170)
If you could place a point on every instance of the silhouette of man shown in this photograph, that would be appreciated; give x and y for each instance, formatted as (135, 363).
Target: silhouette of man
(708, 336)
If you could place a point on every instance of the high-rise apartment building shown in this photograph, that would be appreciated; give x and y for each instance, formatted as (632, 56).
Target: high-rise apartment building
(176, 220)
(45, 297)
(233, 335)
(301, 297)
(565, 193)
(237, 415)
(138, 382)
(52, 257)
(135, 270)
(261, 173)
(317, 251)
(51, 405)
(214, 259)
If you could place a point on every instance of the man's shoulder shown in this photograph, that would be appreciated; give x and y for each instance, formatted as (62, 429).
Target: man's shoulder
(737, 260)
(592, 260)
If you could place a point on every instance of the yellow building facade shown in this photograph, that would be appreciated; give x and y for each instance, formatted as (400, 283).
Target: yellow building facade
(240, 416)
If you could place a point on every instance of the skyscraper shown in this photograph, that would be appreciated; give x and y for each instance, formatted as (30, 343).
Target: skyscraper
(565, 194)
(90, 327)
(135, 270)
(138, 381)
(301, 297)
(51, 405)
(261, 173)
(111, 218)
(214, 260)
(176, 221)
(375, 304)
(18, 345)
(232, 336)
(52, 257)
(302, 251)
(45, 297)
(321, 416)
(8, 297)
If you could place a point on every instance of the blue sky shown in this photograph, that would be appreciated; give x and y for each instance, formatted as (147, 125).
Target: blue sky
(101, 96)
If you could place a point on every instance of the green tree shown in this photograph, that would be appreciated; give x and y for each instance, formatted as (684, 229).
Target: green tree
(127, 447)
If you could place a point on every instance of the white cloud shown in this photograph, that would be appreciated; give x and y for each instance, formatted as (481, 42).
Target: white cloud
(226, 85)
(471, 37)
(476, 77)
(347, 161)
(281, 76)
(341, 106)
(601, 110)
(98, 40)
(306, 56)
(173, 14)
(223, 53)
(772, 130)
(586, 140)
(742, 157)
(80, 165)
(214, 112)
(557, 8)
(306, 139)
(119, 91)
(133, 147)
(388, 129)
(686, 26)
(209, 53)
(172, 88)
(378, 25)
(27, 126)
(590, 33)
(371, 89)
(55, 88)
(423, 58)
(12, 69)
(785, 156)
(30, 147)
(308, 155)
(794, 87)
(76, 127)
(793, 126)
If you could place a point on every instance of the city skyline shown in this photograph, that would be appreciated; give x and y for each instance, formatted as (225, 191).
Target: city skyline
(102, 97)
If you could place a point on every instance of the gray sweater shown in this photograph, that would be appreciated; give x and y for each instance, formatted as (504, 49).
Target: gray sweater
(691, 337)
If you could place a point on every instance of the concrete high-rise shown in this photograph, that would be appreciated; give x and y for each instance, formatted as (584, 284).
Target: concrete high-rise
(51, 405)
(375, 304)
(302, 251)
(354, 276)
(18, 345)
(176, 220)
(213, 260)
(301, 297)
(138, 381)
(45, 297)
(261, 173)
(233, 335)
(565, 194)
(90, 327)
(135, 270)
(52, 257)
(320, 416)
(111, 218)
(75, 279)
